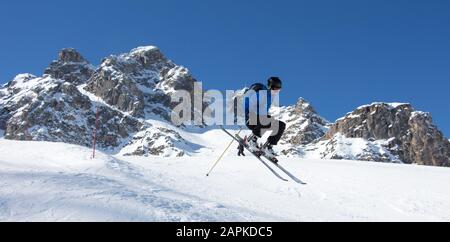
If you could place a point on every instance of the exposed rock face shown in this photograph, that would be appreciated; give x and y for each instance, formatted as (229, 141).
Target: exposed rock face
(140, 82)
(424, 144)
(68, 55)
(121, 93)
(410, 135)
(71, 67)
(376, 121)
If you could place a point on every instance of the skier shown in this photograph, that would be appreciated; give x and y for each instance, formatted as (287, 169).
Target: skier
(241, 147)
(257, 118)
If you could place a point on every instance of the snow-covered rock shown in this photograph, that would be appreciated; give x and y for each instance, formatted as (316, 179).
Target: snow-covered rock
(140, 82)
(57, 106)
(48, 109)
(340, 147)
(154, 140)
(303, 126)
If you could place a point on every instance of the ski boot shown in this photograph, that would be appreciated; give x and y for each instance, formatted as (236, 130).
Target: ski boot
(253, 146)
(269, 153)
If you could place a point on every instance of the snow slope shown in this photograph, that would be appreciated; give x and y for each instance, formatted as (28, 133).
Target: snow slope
(42, 181)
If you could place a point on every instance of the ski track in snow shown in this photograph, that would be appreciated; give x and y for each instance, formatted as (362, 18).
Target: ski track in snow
(42, 181)
(115, 192)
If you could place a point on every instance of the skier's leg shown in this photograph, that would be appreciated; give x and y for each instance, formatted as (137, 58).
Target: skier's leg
(256, 129)
(265, 123)
(254, 125)
(252, 121)
(278, 128)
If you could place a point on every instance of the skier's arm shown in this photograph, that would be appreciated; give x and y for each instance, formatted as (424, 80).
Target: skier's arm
(269, 101)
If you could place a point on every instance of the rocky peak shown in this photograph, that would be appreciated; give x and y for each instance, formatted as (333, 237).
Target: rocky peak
(142, 59)
(303, 106)
(304, 125)
(71, 67)
(140, 82)
(148, 55)
(70, 55)
(409, 134)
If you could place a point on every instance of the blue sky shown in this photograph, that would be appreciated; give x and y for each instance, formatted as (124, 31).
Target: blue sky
(337, 54)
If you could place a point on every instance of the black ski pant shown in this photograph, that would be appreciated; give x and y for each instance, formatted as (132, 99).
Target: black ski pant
(266, 123)
(241, 150)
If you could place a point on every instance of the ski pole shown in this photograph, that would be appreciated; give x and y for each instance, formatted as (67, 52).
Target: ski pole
(94, 143)
(221, 156)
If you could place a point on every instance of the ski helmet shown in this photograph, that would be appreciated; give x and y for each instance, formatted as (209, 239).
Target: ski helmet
(274, 83)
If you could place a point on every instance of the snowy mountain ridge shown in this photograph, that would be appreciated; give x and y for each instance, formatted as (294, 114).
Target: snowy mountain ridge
(131, 92)
(52, 109)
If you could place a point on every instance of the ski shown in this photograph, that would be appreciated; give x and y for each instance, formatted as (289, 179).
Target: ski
(290, 175)
(240, 141)
(275, 162)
